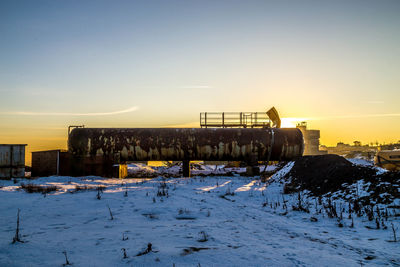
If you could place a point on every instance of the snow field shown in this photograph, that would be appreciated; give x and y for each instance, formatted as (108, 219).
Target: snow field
(211, 221)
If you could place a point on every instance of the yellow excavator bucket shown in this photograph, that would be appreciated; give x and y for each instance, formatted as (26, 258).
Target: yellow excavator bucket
(274, 117)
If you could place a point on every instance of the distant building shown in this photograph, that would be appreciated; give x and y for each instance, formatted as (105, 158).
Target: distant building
(342, 145)
(311, 140)
(351, 151)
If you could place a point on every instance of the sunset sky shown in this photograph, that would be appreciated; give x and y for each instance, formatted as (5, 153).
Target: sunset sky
(335, 64)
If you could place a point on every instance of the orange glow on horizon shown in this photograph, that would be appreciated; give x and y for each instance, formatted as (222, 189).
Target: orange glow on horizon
(367, 130)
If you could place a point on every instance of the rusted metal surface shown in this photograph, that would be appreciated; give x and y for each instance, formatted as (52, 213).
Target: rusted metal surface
(12, 161)
(388, 159)
(79, 166)
(119, 145)
(74, 126)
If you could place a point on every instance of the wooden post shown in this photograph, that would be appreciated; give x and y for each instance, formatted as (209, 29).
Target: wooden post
(11, 162)
(186, 168)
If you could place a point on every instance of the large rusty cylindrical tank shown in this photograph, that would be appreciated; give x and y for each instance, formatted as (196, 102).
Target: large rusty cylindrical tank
(183, 144)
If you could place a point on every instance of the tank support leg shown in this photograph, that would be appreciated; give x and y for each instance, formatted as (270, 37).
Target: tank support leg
(252, 167)
(252, 170)
(186, 168)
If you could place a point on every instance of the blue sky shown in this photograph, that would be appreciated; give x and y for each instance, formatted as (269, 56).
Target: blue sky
(173, 59)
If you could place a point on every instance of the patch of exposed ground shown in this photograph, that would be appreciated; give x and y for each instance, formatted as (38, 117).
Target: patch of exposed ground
(330, 173)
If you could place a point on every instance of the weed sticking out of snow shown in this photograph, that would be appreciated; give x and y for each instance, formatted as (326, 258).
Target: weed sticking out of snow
(67, 263)
(17, 237)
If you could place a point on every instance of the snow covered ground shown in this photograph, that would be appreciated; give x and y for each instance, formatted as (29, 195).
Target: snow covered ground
(361, 162)
(201, 221)
(196, 169)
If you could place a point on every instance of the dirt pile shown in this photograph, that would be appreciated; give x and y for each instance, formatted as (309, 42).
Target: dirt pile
(325, 173)
(33, 188)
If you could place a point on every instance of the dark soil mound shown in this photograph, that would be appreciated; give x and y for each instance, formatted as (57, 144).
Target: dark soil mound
(325, 173)
(384, 188)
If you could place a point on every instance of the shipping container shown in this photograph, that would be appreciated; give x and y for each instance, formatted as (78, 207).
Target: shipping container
(12, 160)
(49, 162)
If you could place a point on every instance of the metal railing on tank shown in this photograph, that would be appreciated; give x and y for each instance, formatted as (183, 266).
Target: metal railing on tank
(235, 119)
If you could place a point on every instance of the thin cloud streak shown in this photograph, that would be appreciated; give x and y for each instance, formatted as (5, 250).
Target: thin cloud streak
(24, 113)
(375, 102)
(294, 121)
(357, 116)
(196, 87)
